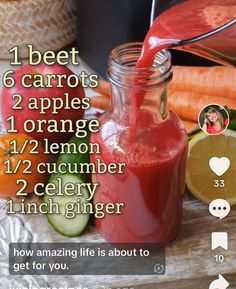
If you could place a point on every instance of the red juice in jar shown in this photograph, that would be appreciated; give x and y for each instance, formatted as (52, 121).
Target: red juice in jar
(152, 183)
(138, 131)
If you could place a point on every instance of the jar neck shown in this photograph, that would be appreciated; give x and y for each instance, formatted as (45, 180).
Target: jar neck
(140, 87)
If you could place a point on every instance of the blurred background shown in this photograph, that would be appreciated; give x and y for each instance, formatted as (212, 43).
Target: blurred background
(94, 27)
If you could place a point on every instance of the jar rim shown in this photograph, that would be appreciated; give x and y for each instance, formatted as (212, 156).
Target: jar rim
(122, 70)
(164, 55)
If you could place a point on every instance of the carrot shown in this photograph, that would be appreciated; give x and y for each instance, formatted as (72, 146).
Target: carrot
(188, 104)
(100, 101)
(189, 125)
(215, 81)
(102, 88)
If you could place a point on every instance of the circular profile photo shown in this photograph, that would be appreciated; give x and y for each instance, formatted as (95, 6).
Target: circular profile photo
(213, 119)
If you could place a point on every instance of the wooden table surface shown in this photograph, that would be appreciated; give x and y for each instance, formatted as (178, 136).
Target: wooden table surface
(190, 261)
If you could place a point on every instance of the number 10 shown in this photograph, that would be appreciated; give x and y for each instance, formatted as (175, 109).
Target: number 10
(219, 258)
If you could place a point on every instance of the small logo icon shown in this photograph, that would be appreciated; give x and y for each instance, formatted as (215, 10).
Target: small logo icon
(219, 165)
(159, 269)
(219, 240)
(219, 208)
(220, 283)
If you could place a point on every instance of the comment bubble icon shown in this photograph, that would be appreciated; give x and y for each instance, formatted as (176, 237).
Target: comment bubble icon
(219, 208)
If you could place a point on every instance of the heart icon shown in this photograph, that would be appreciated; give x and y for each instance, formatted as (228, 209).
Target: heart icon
(219, 165)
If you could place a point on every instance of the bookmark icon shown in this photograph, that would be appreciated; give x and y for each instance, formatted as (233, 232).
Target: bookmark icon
(219, 240)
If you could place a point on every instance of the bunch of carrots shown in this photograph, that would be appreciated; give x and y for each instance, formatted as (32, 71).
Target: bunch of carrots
(191, 89)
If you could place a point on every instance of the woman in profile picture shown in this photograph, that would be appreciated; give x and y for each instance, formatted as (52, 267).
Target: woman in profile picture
(214, 121)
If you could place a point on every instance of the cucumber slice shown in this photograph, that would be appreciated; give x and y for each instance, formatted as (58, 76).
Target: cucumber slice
(77, 158)
(67, 227)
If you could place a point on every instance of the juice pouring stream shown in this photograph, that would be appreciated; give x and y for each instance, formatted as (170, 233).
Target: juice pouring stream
(193, 21)
(203, 27)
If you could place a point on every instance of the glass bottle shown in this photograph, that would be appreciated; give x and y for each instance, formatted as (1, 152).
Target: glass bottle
(139, 131)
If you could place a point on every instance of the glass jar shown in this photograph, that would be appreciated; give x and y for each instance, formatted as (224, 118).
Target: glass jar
(139, 131)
